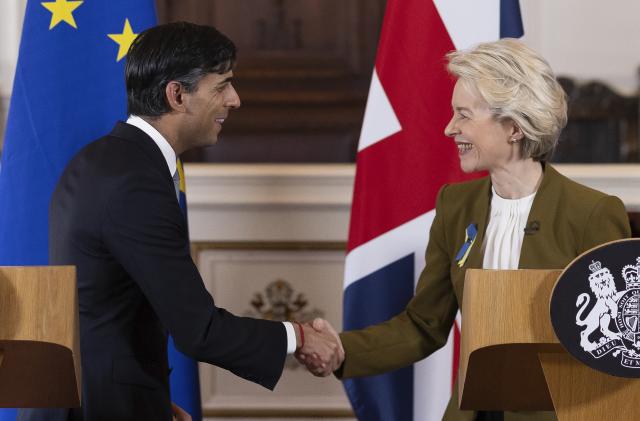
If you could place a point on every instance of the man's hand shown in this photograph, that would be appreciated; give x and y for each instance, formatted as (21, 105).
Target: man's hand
(179, 414)
(322, 353)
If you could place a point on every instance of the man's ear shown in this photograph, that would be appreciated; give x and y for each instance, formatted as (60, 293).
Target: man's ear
(175, 96)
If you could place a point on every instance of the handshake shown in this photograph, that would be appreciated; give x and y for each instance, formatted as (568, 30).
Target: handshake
(319, 347)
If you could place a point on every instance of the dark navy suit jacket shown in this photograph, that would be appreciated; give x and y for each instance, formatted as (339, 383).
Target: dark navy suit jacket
(114, 215)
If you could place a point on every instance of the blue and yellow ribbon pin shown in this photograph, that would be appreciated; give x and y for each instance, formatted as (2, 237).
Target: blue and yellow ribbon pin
(469, 238)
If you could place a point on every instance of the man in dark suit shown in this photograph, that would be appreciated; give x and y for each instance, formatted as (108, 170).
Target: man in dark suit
(114, 215)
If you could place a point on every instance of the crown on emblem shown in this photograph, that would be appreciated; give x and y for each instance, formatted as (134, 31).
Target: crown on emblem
(630, 275)
(597, 270)
(595, 266)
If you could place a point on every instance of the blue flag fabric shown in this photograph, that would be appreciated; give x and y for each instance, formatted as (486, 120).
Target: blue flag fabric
(510, 19)
(185, 382)
(68, 90)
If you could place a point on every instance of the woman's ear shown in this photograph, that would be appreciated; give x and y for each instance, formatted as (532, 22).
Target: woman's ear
(516, 132)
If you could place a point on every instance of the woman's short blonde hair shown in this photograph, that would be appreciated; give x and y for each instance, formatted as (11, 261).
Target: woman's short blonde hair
(519, 85)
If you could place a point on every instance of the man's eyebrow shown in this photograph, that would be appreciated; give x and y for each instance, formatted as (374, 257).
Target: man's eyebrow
(227, 80)
(462, 109)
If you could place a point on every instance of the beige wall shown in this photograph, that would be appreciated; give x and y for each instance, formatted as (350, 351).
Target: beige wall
(10, 27)
(587, 39)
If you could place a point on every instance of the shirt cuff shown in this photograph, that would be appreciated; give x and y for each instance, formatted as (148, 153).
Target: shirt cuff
(291, 337)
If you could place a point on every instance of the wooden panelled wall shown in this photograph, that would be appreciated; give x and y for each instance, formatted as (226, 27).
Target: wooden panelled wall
(302, 75)
(603, 125)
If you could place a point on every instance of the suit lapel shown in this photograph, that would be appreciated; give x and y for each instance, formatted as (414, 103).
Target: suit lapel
(481, 215)
(538, 222)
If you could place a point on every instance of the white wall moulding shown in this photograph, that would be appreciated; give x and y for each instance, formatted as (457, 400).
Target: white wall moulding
(10, 30)
(269, 202)
(327, 189)
(7, 70)
(267, 184)
(622, 180)
(4, 108)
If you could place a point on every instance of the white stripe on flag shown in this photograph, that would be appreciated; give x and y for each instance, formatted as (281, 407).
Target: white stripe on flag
(410, 237)
(470, 22)
(432, 376)
(432, 384)
(380, 120)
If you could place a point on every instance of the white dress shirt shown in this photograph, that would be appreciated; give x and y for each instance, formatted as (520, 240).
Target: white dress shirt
(170, 156)
(505, 232)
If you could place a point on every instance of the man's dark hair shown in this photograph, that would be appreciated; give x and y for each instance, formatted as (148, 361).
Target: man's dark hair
(182, 52)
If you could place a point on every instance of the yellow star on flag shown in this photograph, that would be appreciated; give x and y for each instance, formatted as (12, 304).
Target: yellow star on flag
(124, 39)
(62, 10)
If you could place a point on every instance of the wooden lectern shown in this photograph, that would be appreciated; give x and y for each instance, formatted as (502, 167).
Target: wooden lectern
(510, 358)
(39, 337)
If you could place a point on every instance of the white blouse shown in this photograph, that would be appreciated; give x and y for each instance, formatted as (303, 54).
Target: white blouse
(505, 232)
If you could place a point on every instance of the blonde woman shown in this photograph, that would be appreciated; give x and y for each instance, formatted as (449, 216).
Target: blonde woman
(508, 111)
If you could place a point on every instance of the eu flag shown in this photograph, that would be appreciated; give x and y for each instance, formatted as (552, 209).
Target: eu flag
(68, 90)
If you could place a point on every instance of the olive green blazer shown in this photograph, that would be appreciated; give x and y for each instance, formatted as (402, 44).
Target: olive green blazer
(571, 219)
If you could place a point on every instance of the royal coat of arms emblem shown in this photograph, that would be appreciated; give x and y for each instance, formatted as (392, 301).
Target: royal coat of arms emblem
(614, 319)
(595, 308)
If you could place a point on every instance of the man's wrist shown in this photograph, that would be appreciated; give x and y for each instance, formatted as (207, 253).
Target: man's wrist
(291, 337)
(299, 335)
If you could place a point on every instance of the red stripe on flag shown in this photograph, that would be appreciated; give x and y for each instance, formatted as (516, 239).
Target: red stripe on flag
(398, 178)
